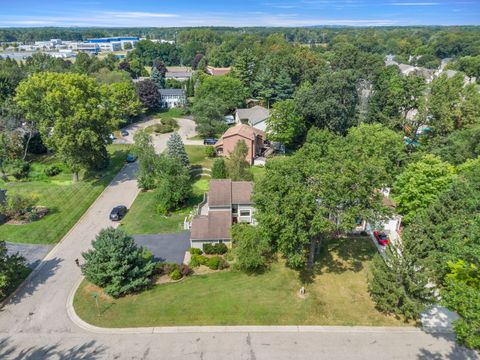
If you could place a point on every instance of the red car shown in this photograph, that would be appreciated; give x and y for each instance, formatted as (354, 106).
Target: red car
(381, 237)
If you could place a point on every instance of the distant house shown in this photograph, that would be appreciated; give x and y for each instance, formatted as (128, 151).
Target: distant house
(179, 73)
(256, 116)
(227, 203)
(254, 138)
(172, 98)
(214, 71)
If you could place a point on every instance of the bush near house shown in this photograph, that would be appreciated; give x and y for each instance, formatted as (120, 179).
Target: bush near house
(195, 251)
(210, 151)
(215, 249)
(197, 260)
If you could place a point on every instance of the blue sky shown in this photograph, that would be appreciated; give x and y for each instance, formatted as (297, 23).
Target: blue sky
(162, 13)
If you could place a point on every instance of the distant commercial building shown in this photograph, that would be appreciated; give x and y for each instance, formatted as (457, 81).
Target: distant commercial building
(114, 43)
(91, 48)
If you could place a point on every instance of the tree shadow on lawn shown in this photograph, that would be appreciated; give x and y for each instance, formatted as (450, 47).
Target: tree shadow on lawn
(38, 278)
(457, 351)
(338, 255)
(86, 351)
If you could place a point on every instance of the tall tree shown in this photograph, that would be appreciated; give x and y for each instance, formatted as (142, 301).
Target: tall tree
(238, 167)
(176, 149)
(148, 94)
(420, 184)
(157, 78)
(331, 102)
(285, 124)
(12, 270)
(72, 117)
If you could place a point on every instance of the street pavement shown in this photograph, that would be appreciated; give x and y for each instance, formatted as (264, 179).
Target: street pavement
(35, 323)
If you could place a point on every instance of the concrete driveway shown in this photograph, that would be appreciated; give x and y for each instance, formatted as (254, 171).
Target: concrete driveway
(186, 130)
(166, 247)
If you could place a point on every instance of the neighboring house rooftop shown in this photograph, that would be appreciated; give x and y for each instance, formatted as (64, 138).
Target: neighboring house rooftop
(172, 92)
(179, 74)
(215, 226)
(218, 71)
(226, 192)
(254, 115)
(243, 130)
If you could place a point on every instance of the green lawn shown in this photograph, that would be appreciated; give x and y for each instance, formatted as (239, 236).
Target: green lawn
(196, 155)
(336, 296)
(67, 201)
(142, 218)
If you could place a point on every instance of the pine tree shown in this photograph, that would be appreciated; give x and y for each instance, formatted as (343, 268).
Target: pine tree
(175, 148)
(157, 78)
(116, 264)
(218, 169)
(284, 86)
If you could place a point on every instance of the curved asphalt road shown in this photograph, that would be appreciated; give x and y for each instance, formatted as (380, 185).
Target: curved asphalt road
(34, 324)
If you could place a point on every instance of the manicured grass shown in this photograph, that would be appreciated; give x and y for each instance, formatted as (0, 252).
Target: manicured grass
(336, 296)
(142, 218)
(197, 156)
(168, 114)
(67, 201)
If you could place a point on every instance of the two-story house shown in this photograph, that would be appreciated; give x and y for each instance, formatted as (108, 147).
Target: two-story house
(227, 202)
(172, 98)
(254, 139)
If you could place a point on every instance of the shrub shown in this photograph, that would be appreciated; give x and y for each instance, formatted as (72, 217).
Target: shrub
(17, 206)
(18, 169)
(197, 260)
(195, 251)
(184, 270)
(210, 151)
(147, 254)
(217, 263)
(175, 275)
(251, 250)
(215, 249)
(52, 170)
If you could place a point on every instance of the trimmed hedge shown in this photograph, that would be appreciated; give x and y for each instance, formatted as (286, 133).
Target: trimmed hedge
(215, 249)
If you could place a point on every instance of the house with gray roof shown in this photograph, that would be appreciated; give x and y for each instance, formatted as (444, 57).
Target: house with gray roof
(226, 203)
(172, 98)
(256, 117)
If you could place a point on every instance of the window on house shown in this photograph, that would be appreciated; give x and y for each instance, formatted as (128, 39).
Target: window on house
(244, 212)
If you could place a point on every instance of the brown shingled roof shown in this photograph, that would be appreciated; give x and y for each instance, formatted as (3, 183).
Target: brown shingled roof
(220, 192)
(242, 192)
(215, 226)
(244, 130)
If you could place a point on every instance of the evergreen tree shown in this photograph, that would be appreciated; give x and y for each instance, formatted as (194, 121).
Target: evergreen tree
(245, 68)
(159, 65)
(157, 78)
(176, 149)
(264, 86)
(218, 169)
(238, 167)
(116, 264)
(284, 86)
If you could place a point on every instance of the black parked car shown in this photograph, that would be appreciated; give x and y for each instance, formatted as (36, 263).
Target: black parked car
(118, 212)
(209, 141)
(124, 132)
